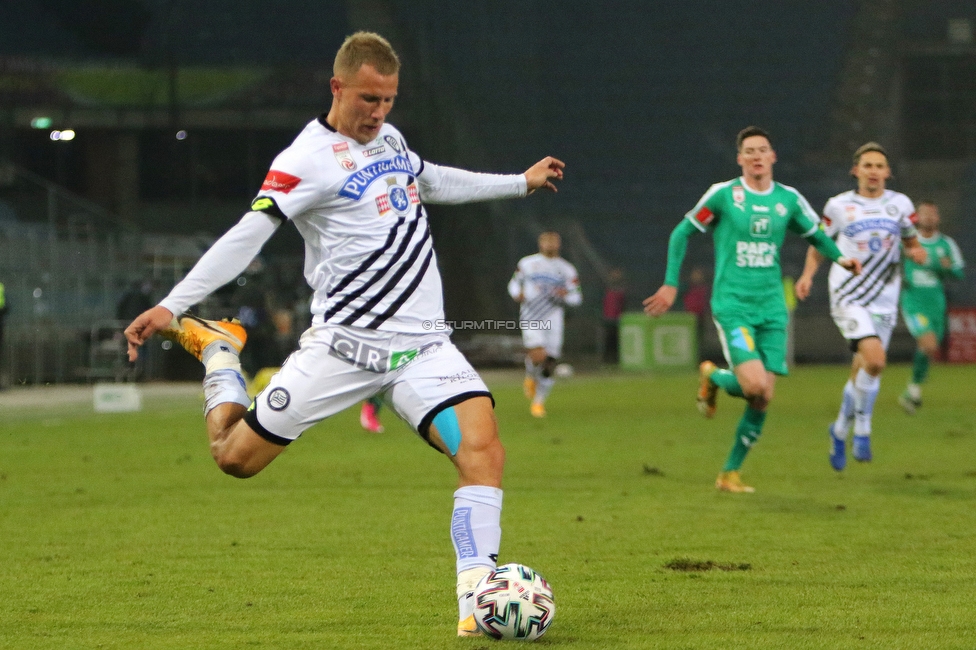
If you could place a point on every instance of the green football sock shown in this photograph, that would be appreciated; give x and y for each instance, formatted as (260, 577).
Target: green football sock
(746, 435)
(920, 367)
(725, 379)
(377, 403)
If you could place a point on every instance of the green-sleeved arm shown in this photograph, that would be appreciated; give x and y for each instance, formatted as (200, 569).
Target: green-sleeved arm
(677, 246)
(955, 256)
(825, 245)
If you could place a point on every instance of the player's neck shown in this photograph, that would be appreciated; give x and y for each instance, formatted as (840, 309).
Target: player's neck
(871, 194)
(928, 233)
(758, 183)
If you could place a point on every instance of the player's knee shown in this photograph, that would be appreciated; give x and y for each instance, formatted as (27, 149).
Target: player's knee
(233, 463)
(874, 367)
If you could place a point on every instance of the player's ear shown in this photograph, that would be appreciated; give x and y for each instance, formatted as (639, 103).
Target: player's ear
(335, 84)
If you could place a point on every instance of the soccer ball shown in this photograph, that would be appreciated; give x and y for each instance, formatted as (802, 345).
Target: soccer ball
(513, 602)
(563, 371)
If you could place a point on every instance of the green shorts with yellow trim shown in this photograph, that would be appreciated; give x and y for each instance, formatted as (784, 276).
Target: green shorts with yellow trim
(921, 322)
(744, 339)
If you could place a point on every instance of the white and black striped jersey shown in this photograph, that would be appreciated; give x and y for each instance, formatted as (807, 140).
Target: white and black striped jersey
(871, 230)
(369, 257)
(537, 279)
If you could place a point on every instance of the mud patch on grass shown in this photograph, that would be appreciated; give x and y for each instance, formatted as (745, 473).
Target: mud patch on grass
(689, 565)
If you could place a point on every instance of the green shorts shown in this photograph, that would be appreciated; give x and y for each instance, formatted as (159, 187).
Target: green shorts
(744, 339)
(921, 322)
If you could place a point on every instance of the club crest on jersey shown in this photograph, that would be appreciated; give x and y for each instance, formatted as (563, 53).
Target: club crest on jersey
(390, 140)
(739, 197)
(891, 209)
(277, 181)
(780, 209)
(343, 156)
(356, 185)
(397, 198)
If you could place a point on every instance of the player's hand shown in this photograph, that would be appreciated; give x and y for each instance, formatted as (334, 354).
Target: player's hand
(145, 325)
(560, 292)
(945, 262)
(917, 254)
(851, 264)
(802, 287)
(541, 175)
(661, 301)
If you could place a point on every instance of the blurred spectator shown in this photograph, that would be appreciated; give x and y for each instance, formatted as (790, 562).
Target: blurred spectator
(614, 299)
(134, 301)
(696, 294)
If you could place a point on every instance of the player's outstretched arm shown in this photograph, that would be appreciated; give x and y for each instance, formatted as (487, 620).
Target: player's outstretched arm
(661, 301)
(145, 325)
(541, 175)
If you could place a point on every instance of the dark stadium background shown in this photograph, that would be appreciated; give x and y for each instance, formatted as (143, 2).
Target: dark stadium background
(642, 100)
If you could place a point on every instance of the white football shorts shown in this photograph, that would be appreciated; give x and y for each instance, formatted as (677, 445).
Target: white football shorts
(335, 367)
(546, 334)
(856, 322)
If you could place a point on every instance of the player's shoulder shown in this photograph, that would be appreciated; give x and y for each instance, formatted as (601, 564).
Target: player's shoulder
(790, 192)
(567, 266)
(899, 199)
(307, 150)
(530, 259)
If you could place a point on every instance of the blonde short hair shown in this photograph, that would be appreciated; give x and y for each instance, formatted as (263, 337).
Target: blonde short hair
(364, 48)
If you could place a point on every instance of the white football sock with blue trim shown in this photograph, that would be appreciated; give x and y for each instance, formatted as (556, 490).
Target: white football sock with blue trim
(866, 388)
(845, 417)
(476, 531)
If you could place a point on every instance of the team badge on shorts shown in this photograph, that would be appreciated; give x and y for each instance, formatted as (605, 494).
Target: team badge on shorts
(279, 399)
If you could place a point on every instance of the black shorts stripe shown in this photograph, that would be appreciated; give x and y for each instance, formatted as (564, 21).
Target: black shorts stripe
(377, 274)
(391, 283)
(251, 419)
(402, 298)
(424, 428)
(375, 255)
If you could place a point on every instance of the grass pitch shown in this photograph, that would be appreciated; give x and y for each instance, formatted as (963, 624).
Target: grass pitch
(117, 531)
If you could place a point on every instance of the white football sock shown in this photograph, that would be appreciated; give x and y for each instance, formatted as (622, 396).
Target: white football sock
(476, 531)
(866, 388)
(914, 391)
(222, 386)
(542, 389)
(845, 417)
(531, 370)
(220, 355)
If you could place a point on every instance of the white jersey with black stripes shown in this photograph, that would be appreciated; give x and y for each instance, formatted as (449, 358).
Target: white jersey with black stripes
(539, 280)
(369, 257)
(871, 230)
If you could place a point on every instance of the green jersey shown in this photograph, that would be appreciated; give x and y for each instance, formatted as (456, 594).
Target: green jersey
(748, 228)
(922, 284)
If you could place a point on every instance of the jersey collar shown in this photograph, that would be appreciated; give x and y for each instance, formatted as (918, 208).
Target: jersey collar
(772, 186)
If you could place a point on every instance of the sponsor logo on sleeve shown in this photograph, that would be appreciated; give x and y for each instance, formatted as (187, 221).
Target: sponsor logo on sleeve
(277, 181)
(704, 216)
(827, 220)
(343, 156)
